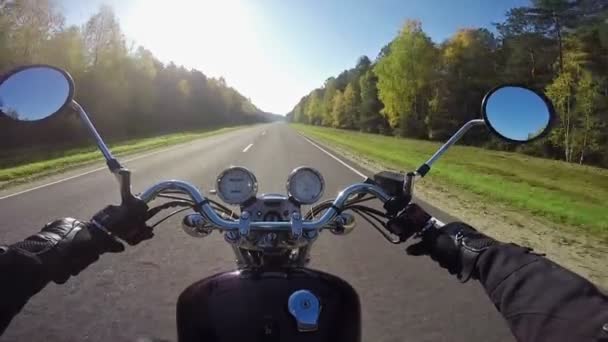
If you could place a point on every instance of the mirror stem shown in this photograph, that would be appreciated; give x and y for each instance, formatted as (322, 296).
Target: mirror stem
(124, 178)
(426, 167)
(112, 163)
(408, 185)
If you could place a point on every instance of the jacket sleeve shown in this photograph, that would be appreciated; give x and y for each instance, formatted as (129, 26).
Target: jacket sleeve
(20, 279)
(541, 300)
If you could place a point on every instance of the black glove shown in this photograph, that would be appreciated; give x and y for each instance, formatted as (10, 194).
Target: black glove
(126, 221)
(62, 248)
(409, 222)
(456, 247)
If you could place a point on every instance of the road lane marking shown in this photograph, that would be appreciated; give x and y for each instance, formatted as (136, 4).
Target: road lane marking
(247, 148)
(336, 158)
(438, 221)
(94, 170)
(86, 173)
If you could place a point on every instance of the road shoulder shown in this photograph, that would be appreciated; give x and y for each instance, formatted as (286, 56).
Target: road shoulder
(13, 188)
(582, 254)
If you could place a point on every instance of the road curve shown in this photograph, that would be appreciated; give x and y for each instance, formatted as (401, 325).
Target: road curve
(132, 295)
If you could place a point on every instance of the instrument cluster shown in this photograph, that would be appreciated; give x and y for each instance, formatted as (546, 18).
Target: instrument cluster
(239, 186)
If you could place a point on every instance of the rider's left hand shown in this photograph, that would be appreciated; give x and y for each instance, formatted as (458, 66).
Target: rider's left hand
(62, 248)
(126, 221)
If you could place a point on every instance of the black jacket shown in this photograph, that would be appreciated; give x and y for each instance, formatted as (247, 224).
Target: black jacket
(540, 300)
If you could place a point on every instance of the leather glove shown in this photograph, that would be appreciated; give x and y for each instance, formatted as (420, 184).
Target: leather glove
(62, 248)
(126, 221)
(410, 221)
(456, 247)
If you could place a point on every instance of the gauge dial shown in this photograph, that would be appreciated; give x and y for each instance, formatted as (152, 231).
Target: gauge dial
(305, 185)
(236, 185)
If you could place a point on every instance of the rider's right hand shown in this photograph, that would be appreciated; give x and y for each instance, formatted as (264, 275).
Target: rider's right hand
(456, 247)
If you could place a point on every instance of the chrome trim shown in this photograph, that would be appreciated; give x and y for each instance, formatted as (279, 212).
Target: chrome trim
(93, 131)
(244, 223)
(196, 226)
(296, 226)
(453, 139)
(205, 209)
(294, 173)
(254, 188)
(408, 184)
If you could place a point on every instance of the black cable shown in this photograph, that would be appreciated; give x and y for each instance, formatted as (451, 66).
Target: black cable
(170, 215)
(388, 237)
(218, 206)
(232, 214)
(368, 210)
(373, 224)
(175, 197)
(369, 215)
(154, 211)
(317, 209)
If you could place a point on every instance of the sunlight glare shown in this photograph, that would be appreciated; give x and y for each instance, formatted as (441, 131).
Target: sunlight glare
(220, 38)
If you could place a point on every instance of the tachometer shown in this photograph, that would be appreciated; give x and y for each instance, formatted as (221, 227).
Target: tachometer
(305, 185)
(236, 185)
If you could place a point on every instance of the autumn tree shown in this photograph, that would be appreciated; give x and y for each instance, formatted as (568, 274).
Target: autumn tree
(370, 119)
(404, 75)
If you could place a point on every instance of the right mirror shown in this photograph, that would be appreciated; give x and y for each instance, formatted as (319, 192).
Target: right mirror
(517, 114)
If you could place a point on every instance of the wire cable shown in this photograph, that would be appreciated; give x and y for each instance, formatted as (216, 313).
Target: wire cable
(170, 215)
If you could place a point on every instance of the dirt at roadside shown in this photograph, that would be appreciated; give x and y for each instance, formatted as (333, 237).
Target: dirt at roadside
(581, 253)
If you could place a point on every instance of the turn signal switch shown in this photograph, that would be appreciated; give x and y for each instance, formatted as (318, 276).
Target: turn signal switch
(195, 225)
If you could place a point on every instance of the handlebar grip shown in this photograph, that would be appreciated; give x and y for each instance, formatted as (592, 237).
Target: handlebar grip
(410, 222)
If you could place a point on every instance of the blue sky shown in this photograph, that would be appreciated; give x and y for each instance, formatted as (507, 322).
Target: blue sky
(517, 113)
(34, 93)
(276, 51)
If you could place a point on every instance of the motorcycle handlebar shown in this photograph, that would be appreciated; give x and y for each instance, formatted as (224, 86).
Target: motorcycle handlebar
(244, 225)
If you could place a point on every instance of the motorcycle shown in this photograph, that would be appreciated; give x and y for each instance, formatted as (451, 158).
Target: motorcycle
(272, 295)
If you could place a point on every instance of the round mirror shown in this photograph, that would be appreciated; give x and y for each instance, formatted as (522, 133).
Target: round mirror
(35, 92)
(517, 113)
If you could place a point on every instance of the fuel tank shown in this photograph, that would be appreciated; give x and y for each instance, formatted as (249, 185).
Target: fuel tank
(269, 306)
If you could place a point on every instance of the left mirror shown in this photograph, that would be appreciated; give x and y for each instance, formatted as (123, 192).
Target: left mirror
(35, 92)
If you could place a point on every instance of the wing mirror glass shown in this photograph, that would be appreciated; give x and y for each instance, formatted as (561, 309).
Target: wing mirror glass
(35, 92)
(517, 114)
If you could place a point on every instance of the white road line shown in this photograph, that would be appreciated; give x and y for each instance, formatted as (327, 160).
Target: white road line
(336, 158)
(86, 173)
(247, 148)
(439, 222)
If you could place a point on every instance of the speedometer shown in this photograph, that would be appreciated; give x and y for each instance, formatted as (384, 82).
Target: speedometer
(305, 185)
(236, 185)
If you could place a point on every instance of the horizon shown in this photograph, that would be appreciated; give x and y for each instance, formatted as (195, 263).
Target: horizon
(274, 53)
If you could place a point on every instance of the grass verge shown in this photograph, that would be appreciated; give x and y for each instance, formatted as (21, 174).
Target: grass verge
(26, 164)
(564, 193)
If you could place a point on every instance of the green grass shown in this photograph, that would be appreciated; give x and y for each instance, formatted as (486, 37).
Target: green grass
(569, 194)
(22, 165)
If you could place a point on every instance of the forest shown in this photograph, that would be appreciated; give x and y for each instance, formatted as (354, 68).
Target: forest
(422, 89)
(127, 91)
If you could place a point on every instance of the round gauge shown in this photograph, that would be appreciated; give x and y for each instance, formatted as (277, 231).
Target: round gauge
(236, 185)
(305, 185)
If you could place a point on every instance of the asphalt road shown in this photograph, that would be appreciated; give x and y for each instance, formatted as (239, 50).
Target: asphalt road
(132, 295)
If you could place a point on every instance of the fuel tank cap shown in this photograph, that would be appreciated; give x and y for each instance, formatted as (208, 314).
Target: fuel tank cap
(305, 307)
